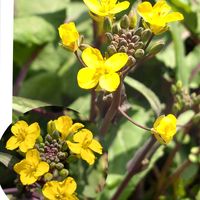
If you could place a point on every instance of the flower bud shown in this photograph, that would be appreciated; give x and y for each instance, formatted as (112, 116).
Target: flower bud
(62, 155)
(107, 25)
(131, 46)
(133, 19)
(55, 173)
(131, 52)
(83, 46)
(59, 166)
(109, 36)
(179, 85)
(122, 49)
(195, 150)
(64, 173)
(156, 48)
(115, 44)
(48, 177)
(138, 45)
(139, 31)
(52, 164)
(146, 34)
(123, 42)
(139, 53)
(111, 50)
(115, 28)
(173, 89)
(125, 22)
(51, 127)
(135, 38)
(131, 61)
(193, 158)
(40, 139)
(48, 138)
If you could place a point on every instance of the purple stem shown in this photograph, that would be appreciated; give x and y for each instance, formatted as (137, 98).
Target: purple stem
(10, 190)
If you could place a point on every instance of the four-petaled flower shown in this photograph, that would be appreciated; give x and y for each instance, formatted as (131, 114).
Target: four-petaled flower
(31, 168)
(69, 36)
(164, 128)
(158, 16)
(24, 136)
(100, 71)
(65, 126)
(106, 7)
(54, 190)
(84, 145)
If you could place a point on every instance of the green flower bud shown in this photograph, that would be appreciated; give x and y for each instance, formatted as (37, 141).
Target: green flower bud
(64, 173)
(195, 150)
(55, 173)
(51, 127)
(107, 25)
(139, 53)
(115, 44)
(125, 22)
(138, 45)
(146, 34)
(131, 61)
(193, 158)
(131, 52)
(135, 38)
(111, 50)
(173, 89)
(55, 135)
(48, 177)
(64, 147)
(52, 165)
(48, 138)
(109, 36)
(40, 139)
(62, 155)
(122, 49)
(83, 46)
(59, 166)
(131, 46)
(156, 48)
(115, 28)
(133, 19)
(123, 42)
(179, 85)
(139, 31)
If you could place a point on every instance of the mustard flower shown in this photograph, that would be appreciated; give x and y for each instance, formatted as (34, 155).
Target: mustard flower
(99, 71)
(54, 190)
(164, 128)
(158, 16)
(85, 145)
(24, 136)
(106, 7)
(69, 36)
(31, 168)
(65, 126)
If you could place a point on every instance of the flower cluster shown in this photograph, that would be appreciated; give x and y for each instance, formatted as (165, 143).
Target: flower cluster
(47, 159)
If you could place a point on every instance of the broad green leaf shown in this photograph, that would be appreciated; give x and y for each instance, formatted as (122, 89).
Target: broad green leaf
(147, 93)
(185, 117)
(23, 105)
(8, 160)
(181, 67)
(33, 30)
(33, 7)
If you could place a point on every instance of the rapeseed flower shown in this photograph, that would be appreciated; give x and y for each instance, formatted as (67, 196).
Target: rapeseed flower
(158, 16)
(31, 168)
(64, 190)
(99, 71)
(164, 128)
(24, 136)
(69, 36)
(105, 8)
(85, 145)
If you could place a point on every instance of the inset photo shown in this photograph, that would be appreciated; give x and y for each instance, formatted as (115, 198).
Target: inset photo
(50, 153)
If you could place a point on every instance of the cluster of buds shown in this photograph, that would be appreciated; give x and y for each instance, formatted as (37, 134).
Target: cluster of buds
(183, 99)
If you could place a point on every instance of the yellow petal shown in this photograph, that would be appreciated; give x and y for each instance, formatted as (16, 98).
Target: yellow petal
(75, 127)
(68, 186)
(27, 144)
(83, 135)
(88, 156)
(158, 29)
(116, 62)
(33, 155)
(42, 168)
(119, 7)
(34, 129)
(16, 128)
(161, 7)
(92, 57)
(172, 118)
(18, 167)
(93, 5)
(87, 78)
(174, 16)
(27, 178)
(96, 146)
(50, 190)
(158, 120)
(74, 147)
(13, 143)
(109, 82)
(144, 8)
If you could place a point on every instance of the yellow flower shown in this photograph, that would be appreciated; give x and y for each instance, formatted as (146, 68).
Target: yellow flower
(24, 136)
(64, 190)
(85, 145)
(31, 168)
(164, 128)
(69, 36)
(65, 126)
(158, 16)
(100, 71)
(106, 7)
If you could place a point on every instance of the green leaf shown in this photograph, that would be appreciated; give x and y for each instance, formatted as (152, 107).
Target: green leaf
(33, 30)
(181, 70)
(147, 93)
(23, 105)
(185, 117)
(8, 160)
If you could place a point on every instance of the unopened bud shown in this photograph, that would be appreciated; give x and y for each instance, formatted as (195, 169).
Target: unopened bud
(62, 155)
(125, 22)
(48, 138)
(156, 48)
(111, 50)
(123, 42)
(48, 177)
(179, 85)
(109, 36)
(135, 38)
(59, 166)
(131, 46)
(51, 127)
(55, 173)
(133, 19)
(40, 139)
(138, 45)
(115, 28)
(139, 53)
(193, 158)
(146, 34)
(139, 31)
(107, 25)
(83, 46)
(64, 173)
(195, 150)
(131, 61)
(173, 89)
(52, 164)
(131, 52)
(122, 49)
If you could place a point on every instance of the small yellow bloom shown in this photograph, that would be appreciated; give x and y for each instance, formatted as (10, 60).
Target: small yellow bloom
(158, 16)
(106, 7)
(31, 168)
(100, 71)
(64, 190)
(69, 36)
(164, 128)
(85, 145)
(65, 126)
(24, 136)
